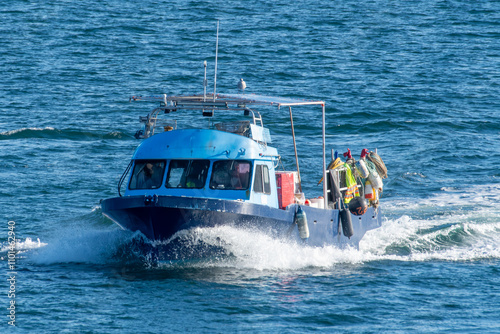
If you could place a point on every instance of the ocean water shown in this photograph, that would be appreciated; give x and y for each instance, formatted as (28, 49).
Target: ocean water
(418, 80)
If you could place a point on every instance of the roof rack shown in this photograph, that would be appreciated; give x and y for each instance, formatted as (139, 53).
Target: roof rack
(225, 101)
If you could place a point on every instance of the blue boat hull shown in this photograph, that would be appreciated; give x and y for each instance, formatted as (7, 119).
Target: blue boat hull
(160, 217)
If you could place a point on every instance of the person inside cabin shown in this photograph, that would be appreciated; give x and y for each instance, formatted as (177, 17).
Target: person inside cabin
(231, 175)
(191, 181)
(239, 175)
(148, 177)
(220, 176)
(235, 177)
(244, 174)
(196, 176)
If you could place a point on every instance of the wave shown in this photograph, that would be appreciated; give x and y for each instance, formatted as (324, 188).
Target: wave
(481, 198)
(25, 130)
(52, 133)
(402, 239)
(445, 227)
(454, 225)
(21, 246)
(406, 239)
(93, 246)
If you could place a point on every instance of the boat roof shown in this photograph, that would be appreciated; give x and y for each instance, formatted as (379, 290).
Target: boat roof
(203, 144)
(225, 100)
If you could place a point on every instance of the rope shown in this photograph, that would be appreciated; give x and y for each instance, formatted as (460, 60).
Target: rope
(379, 164)
(333, 165)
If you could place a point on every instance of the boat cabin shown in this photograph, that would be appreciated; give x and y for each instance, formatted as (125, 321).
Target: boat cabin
(204, 164)
(228, 161)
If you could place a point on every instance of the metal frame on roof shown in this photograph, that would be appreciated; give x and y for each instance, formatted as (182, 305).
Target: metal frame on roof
(269, 100)
(229, 99)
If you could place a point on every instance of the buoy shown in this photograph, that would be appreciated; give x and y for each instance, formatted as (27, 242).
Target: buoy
(361, 165)
(370, 193)
(301, 221)
(345, 218)
(374, 178)
(362, 169)
(357, 206)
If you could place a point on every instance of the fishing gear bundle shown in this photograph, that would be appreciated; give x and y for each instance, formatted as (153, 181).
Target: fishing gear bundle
(360, 180)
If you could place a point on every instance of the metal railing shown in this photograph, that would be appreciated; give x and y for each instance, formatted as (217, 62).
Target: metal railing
(124, 175)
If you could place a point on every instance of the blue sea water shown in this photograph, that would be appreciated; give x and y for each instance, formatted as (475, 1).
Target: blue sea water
(418, 80)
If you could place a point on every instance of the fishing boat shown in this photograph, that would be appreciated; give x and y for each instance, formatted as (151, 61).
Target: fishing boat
(230, 174)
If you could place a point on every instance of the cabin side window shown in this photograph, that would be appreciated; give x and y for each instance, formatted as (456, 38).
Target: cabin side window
(187, 174)
(262, 182)
(147, 174)
(230, 175)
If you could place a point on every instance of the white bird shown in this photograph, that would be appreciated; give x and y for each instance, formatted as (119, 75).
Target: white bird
(242, 84)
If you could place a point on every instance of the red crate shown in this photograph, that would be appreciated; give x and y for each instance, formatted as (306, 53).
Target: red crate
(285, 183)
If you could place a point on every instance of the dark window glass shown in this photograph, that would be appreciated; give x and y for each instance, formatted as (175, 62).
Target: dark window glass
(147, 174)
(230, 175)
(257, 184)
(262, 182)
(187, 173)
(267, 183)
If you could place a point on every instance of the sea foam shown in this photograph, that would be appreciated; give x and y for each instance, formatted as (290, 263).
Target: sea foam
(426, 229)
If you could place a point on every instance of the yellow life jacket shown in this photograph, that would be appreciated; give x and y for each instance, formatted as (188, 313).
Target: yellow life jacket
(352, 187)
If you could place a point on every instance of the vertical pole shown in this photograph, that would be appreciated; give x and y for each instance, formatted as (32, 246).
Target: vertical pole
(324, 159)
(205, 82)
(295, 148)
(216, 54)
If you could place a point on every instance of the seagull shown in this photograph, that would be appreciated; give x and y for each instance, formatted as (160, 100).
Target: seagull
(242, 84)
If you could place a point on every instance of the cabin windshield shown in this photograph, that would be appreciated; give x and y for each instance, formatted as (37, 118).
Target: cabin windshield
(230, 175)
(187, 173)
(147, 174)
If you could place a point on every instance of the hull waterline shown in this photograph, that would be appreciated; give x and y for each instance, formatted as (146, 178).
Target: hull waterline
(160, 217)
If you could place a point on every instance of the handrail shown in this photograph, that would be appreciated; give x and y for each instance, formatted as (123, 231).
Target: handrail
(295, 149)
(122, 178)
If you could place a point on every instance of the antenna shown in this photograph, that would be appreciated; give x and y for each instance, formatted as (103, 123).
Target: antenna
(205, 83)
(216, 53)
